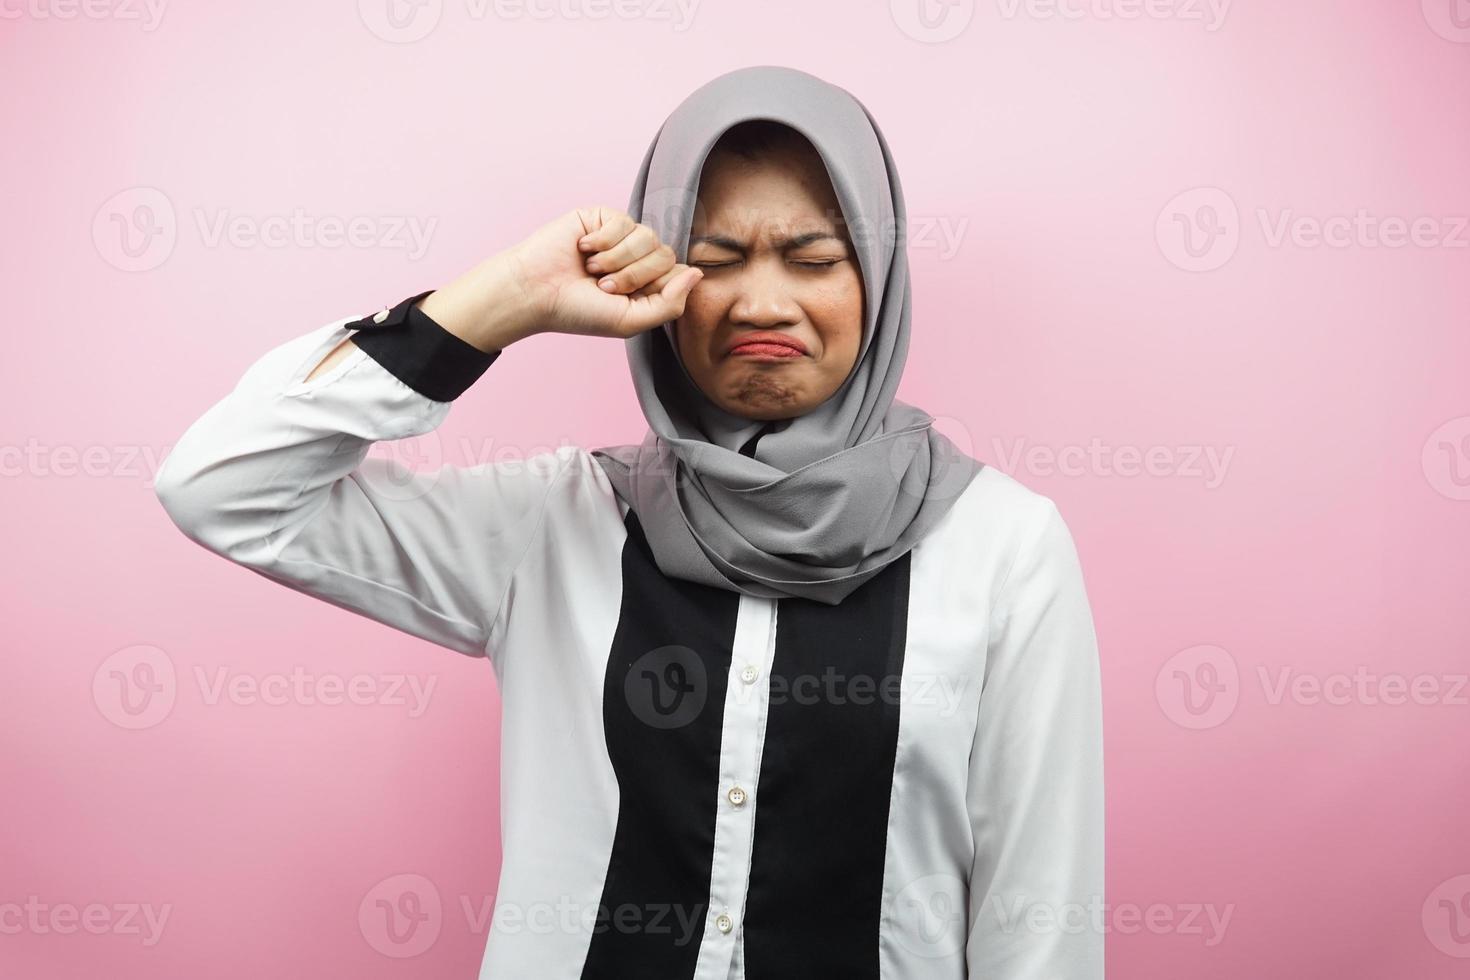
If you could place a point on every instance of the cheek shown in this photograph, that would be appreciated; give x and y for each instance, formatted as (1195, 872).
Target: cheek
(701, 317)
(838, 316)
(694, 328)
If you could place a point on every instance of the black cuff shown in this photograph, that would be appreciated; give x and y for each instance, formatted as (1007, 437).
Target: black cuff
(416, 350)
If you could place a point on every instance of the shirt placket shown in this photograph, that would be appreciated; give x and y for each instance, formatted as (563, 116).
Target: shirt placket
(747, 696)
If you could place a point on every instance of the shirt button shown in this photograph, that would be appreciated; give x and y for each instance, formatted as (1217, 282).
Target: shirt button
(380, 316)
(749, 674)
(736, 795)
(724, 923)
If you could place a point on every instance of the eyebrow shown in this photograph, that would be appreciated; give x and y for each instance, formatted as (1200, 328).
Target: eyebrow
(798, 241)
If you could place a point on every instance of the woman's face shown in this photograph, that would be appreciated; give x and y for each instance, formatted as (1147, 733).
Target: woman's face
(776, 259)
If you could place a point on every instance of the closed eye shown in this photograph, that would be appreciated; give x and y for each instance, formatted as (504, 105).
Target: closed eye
(805, 263)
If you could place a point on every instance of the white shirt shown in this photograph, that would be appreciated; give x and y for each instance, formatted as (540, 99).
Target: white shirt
(907, 786)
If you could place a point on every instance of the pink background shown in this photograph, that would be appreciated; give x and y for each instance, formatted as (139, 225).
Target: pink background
(1310, 831)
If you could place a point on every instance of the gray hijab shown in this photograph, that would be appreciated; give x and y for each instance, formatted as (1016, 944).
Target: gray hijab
(824, 501)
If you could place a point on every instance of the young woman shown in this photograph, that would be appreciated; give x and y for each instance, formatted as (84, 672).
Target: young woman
(793, 688)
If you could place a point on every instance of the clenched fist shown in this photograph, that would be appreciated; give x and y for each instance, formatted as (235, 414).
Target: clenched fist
(596, 271)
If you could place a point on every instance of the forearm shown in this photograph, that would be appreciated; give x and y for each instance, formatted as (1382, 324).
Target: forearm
(482, 307)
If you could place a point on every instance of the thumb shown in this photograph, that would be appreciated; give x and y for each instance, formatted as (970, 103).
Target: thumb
(647, 312)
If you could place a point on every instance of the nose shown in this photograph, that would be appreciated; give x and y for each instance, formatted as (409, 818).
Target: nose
(764, 299)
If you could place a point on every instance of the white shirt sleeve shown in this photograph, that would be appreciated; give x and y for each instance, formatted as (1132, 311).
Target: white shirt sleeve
(276, 477)
(1035, 793)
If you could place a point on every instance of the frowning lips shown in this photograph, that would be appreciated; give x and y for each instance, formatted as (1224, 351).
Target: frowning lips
(765, 339)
